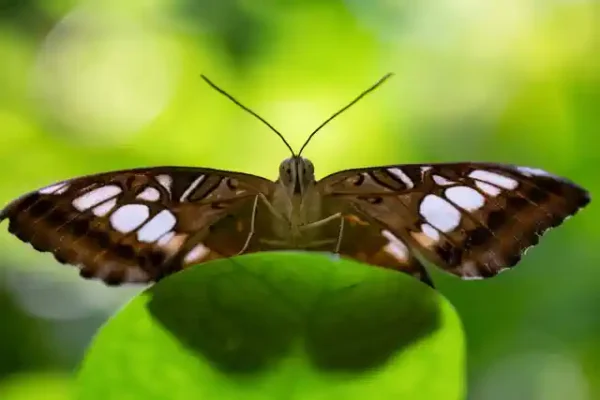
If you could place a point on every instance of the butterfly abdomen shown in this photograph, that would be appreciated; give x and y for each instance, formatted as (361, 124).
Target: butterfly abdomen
(295, 211)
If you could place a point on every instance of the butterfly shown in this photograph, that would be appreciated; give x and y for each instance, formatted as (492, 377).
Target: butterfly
(473, 220)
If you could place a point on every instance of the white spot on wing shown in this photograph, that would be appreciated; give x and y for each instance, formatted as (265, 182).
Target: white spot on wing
(149, 194)
(52, 188)
(465, 197)
(198, 252)
(440, 180)
(95, 196)
(471, 278)
(430, 232)
(158, 226)
(398, 173)
(104, 208)
(135, 274)
(103, 270)
(487, 188)
(62, 189)
(395, 247)
(439, 213)
(165, 239)
(128, 217)
(191, 188)
(494, 178)
(528, 171)
(469, 271)
(166, 181)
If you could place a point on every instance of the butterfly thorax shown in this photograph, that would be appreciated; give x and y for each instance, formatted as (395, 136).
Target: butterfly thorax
(297, 201)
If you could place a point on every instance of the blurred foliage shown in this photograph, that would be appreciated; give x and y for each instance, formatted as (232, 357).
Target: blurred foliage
(89, 86)
(21, 347)
(47, 386)
(280, 325)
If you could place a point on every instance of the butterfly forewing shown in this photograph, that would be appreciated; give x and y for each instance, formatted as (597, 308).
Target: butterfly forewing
(472, 219)
(136, 225)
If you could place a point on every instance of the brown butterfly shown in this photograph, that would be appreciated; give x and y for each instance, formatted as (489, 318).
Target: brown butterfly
(471, 219)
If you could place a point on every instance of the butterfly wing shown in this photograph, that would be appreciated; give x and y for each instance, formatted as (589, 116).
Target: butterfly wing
(136, 225)
(471, 219)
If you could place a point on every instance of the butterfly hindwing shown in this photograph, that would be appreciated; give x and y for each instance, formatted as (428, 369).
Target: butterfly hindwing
(472, 219)
(135, 225)
(366, 241)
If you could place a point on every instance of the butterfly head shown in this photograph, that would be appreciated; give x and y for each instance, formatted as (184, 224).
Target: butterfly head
(296, 174)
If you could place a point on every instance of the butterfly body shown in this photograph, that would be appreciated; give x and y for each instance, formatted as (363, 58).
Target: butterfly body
(472, 219)
(296, 206)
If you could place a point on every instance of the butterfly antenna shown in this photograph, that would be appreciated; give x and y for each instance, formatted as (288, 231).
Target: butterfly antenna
(360, 96)
(243, 107)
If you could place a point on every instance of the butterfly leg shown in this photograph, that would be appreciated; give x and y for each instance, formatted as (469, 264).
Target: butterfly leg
(272, 209)
(321, 222)
(316, 243)
(252, 222)
(324, 221)
(340, 234)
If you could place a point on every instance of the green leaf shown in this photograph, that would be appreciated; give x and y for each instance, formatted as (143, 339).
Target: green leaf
(282, 325)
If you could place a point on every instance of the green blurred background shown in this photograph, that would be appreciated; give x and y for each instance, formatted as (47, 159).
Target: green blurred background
(91, 86)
